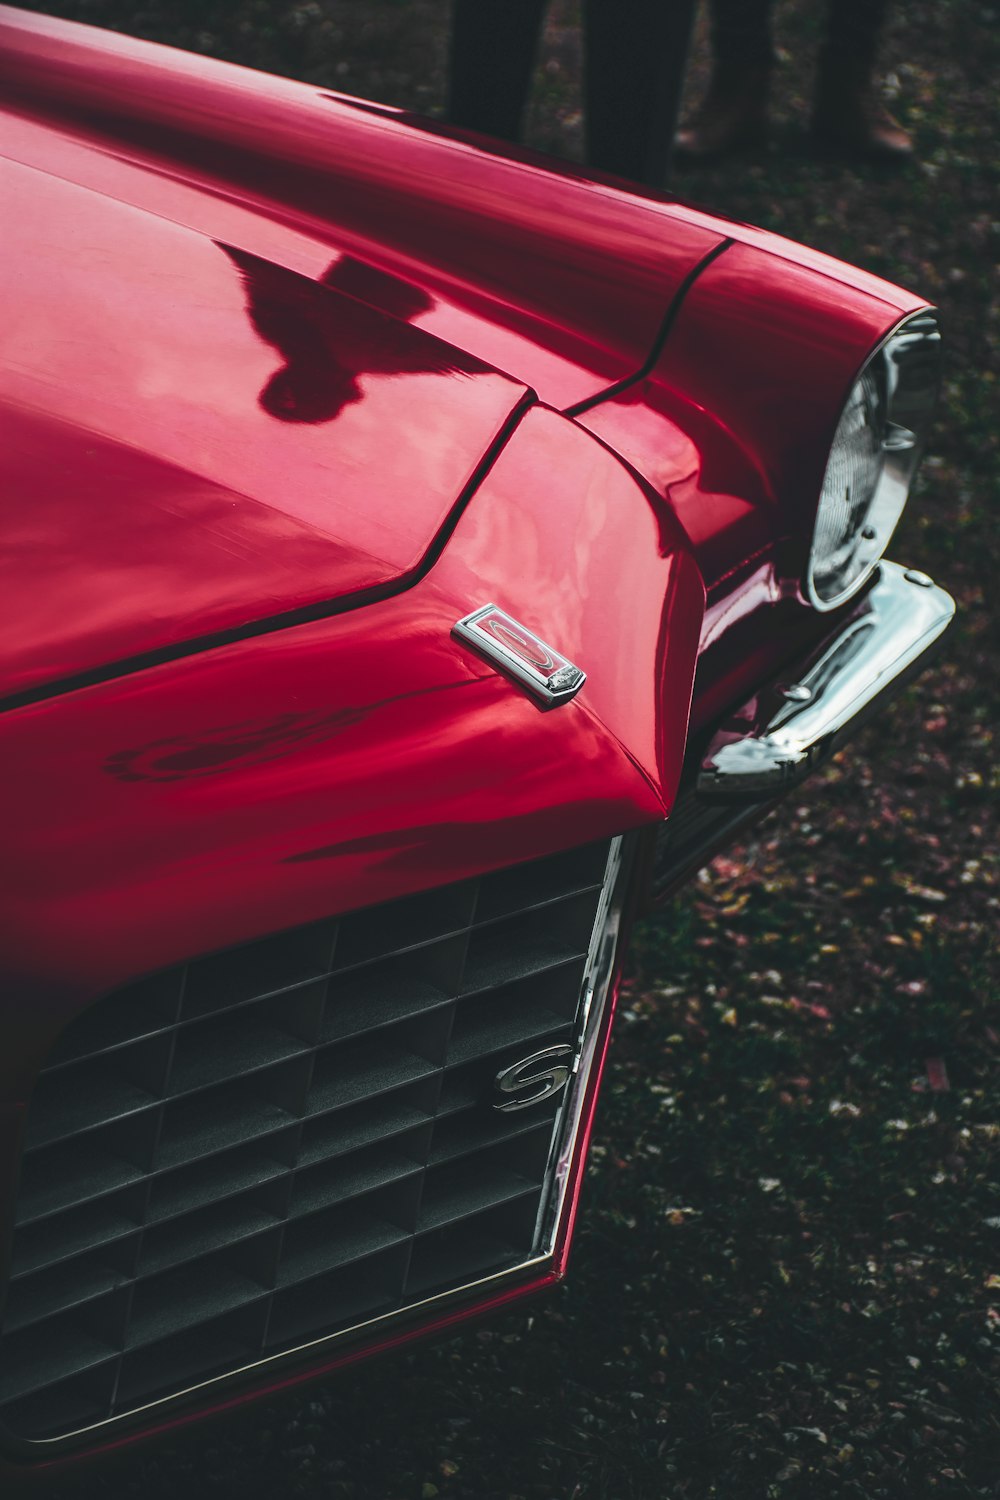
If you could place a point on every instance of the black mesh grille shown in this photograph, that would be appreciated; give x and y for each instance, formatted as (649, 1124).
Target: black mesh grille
(279, 1141)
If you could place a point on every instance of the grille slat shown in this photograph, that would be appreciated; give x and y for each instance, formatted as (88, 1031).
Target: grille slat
(494, 963)
(335, 1135)
(209, 1126)
(229, 1052)
(50, 1186)
(31, 1362)
(322, 1188)
(45, 1296)
(185, 1299)
(258, 970)
(474, 1130)
(120, 1051)
(222, 1226)
(312, 1252)
(483, 1035)
(104, 1224)
(129, 1015)
(184, 1360)
(270, 1144)
(450, 1205)
(66, 1110)
(178, 1193)
(470, 1255)
(379, 1071)
(369, 1003)
(348, 1294)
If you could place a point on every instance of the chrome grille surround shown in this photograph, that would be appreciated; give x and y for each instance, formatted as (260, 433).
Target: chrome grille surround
(291, 1146)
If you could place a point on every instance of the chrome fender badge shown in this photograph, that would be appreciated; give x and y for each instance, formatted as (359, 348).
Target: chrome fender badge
(522, 654)
(534, 1078)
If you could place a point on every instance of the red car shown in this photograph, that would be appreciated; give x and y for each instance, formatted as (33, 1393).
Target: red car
(414, 552)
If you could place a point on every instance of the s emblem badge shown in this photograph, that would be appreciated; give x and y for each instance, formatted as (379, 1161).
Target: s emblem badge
(534, 1078)
(520, 653)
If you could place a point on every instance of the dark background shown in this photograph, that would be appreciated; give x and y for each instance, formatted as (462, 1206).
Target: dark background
(786, 1280)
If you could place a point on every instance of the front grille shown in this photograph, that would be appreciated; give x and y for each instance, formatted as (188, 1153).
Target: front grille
(275, 1143)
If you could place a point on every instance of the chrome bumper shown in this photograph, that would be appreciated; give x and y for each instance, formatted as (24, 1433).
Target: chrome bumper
(778, 738)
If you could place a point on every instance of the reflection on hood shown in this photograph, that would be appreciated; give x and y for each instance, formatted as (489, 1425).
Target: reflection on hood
(328, 341)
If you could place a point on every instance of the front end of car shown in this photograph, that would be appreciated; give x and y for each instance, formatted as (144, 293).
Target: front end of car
(312, 948)
(308, 1009)
(320, 860)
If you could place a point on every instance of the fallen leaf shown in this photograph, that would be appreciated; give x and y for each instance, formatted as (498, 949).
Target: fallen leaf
(937, 1075)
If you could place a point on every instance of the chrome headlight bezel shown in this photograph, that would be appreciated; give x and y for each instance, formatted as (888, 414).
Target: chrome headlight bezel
(877, 444)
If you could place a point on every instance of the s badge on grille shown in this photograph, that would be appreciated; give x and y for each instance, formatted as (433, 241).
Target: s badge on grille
(534, 1078)
(520, 653)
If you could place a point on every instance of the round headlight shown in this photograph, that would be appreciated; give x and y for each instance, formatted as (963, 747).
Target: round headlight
(873, 459)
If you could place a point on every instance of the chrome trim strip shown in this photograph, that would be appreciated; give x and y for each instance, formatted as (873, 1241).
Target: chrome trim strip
(165, 1405)
(566, 1129)
(596, 988)
(798, 725)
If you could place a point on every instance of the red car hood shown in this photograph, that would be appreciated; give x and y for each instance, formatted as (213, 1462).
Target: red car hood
(196, 438)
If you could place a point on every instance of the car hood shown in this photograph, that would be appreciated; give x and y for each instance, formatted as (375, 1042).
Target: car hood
(196, 438)
(532, 265)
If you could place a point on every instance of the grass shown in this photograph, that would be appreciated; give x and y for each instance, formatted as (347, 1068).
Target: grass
(786, 1281)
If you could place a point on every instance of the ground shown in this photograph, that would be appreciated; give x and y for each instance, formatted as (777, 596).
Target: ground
(786, 1281)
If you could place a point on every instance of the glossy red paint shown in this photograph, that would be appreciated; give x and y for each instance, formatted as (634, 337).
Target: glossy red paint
(772, 349)
(166, 812)
(718, 495)
(561, 280)
(555, 564)
(558, 277)
(195, 441)
(284, 363)
(732, 427)
(279, 779)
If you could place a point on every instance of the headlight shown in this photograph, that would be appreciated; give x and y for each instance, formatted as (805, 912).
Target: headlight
(873, 458)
